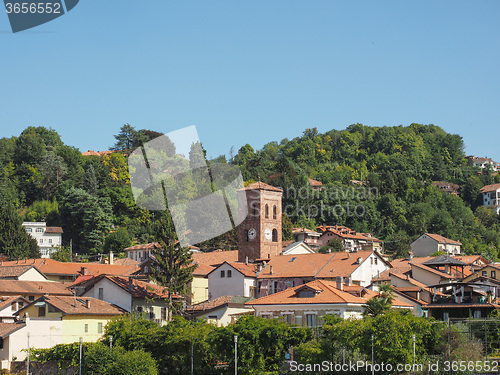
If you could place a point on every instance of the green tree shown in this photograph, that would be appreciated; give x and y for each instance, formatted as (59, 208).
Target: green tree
(117, 241)
(15, 243)
(90, 183)
(171, 265)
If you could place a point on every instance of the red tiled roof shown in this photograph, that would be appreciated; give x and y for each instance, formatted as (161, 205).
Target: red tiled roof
(304, 230)
(78, 306)
(262, 186)
(147, 246)
(345, 232)
(14, 271)
(313, 265)
(19, 287)
(139, 289)
(315, 183)
(434, 271)
(490, 188)
(202, 270)
(7, 329)
(99, 153)
(55, 230)
(214, 258)
(441, 239)
(53, 267)
(326, 293)
(125, 262)
(248, 270)
(7, 300)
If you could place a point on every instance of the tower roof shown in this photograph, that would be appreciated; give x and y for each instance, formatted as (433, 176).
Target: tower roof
(262, 186)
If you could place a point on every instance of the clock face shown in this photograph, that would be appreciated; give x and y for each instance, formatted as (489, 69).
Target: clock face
(252, 233)
(268, 234)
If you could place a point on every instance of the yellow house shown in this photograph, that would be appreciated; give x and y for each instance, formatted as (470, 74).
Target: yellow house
(71, 318)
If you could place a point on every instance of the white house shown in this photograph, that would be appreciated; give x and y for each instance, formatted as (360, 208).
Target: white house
(130, 294)
(232, 279)
(483, 162)
(428, 244)
(306, 304)
(9, 305)
(49, 238)
(221, 311)
(297, 248)
(24, 272)
(491, 196)
(310, 237)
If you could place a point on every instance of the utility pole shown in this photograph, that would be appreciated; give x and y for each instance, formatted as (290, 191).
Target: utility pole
(110, 342)
(373, 358)
(235, 355)
(28, 364)
(80, 370)
(413, 354)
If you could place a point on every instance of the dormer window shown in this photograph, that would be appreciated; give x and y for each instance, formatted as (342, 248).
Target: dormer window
(306, 294)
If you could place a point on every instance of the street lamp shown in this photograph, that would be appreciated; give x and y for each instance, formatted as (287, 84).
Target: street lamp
(235, 355)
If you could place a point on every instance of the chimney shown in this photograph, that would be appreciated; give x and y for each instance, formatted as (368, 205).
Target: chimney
(347, 280)
(340, 282)
(111, 257)
(359, 260)
(410, 255)
(246, 260)
(83, 270)
(130, 284)
(271, 270)
(408, 277)
(87, 303)
(329, 250)
(26, 318)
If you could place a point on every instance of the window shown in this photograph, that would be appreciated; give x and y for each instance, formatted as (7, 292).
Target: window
(20, 304)
(306, 294)
(371, 260)
(446, 316)
(275, 235)
(223, 273)
(29, 230)
(151, 312)
(41, 240)
(477, 314)
(52, 309)
(375, 260)
(39, 230)
(101, 294)
(50, 240)
(288, 318)
(245, 235)
(229, 273)
(31, 298)
(254, 210)
(86, 328)
(484, 273)
(164, 313)
(41, 311)
(99, 327)
(493, 275)
(274, 212)
(267, 211)
(311, 320)
(13, 306)
(139, 309)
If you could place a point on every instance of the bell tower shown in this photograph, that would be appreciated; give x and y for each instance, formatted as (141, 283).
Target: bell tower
(259, 235)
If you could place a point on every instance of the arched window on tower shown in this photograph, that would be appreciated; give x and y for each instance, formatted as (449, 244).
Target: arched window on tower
(267, 211)
(245, 235)
(274, 212)
(275, 235)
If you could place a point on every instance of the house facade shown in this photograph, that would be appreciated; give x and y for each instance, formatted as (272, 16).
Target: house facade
(351, 240)
(429, 243)
(481, 162)
(491, 196)
(49, 239)
(232, 279)
(307, 304)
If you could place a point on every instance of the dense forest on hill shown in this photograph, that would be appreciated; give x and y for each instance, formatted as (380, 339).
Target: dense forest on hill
(375, 179)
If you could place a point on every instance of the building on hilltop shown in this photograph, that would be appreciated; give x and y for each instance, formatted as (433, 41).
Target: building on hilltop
(491, 196)
(49, 239)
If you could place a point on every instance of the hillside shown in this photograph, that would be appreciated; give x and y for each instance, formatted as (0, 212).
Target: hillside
(375, 179)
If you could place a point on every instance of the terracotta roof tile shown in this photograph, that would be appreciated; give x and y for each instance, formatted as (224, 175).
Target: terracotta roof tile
(53, 267)
(214, 258)
(7, 300)
(490, 188)
(315, 183)
(147, 246)
(55, 230)
(441, 239)
(79, 306)
(262, 186)
(7, 329)
(313, 265)
(20, 287)
(14, 271)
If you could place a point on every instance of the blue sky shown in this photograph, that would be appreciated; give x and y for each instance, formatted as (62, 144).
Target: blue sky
(254, 71)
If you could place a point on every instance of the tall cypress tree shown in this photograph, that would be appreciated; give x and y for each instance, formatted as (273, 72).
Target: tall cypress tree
(171, 264)
(14, 241)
